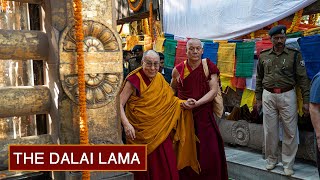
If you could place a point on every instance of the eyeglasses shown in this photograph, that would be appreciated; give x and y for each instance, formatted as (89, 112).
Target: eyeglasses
(150, 64)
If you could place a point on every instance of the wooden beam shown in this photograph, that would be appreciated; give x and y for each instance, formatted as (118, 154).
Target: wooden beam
(29, 1)
(24, 100)
(23, 45)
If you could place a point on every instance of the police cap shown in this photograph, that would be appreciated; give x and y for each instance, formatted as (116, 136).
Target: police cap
(137, 48)
(280, 29)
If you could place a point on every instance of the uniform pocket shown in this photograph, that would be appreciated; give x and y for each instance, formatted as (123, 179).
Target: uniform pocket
(269, 69)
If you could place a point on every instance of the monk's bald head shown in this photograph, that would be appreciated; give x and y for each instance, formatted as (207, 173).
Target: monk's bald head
(193, 41)
(151, 53)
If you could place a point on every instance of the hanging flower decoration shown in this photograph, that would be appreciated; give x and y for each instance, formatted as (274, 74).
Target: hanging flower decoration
(295, 22)
(81, 78)
(4, 5)
(135, 9)
(151, 19)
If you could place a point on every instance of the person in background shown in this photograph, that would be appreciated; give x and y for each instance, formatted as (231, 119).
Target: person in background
(278, 71)
(135, 61)
(152, 115)
(161, 68)
(191, 83)
(315, 112)
(126, 56)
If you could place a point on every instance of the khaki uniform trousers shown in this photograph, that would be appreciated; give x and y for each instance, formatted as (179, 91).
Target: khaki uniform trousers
(282, 105)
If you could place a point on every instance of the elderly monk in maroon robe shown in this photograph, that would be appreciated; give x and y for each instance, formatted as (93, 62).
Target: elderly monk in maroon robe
(191, 83)
(155, 117)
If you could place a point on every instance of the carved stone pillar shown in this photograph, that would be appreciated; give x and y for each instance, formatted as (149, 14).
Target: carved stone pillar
(103, 75)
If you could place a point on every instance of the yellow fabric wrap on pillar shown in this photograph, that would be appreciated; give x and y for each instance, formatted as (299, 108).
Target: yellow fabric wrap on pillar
(159, 44)
(156, 114)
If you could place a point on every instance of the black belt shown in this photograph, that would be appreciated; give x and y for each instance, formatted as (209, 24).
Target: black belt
(278, 90)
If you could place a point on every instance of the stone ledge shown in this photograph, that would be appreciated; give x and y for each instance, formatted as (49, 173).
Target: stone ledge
(244, 164)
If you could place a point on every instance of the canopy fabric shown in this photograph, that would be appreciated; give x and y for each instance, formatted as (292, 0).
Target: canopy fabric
(221, 19)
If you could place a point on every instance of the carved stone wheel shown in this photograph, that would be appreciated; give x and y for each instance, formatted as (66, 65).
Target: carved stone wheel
(240, 132)
(103, 63)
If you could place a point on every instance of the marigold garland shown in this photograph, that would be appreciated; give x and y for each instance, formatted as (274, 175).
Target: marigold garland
(295, 22)
(4, 5)
(151, 20)
(81, 80)
(135, 9)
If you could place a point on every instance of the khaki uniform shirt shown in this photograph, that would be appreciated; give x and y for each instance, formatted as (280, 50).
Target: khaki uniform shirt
(277, 71)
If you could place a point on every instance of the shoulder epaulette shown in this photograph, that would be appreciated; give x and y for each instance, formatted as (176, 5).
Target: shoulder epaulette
(265, 50)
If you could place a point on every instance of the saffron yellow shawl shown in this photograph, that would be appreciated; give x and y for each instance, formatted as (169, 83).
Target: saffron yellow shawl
(156, 114)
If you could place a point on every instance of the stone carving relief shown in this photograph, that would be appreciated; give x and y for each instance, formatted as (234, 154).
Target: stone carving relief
(97, 38)
(240, 132)
(102, 53)
(100, 88)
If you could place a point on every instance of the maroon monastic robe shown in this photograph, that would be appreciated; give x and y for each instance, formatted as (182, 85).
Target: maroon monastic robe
(161, 163)
(210, 150)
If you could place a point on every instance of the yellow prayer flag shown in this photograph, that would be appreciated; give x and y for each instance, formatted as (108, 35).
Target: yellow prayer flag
(248, 97)
(226, 59)
(226, 82)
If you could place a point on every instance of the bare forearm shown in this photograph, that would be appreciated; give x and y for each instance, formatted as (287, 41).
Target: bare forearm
(124, 119)
(207, 98)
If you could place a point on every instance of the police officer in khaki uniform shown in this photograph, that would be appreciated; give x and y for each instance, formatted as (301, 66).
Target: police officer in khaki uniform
(279, 70)
(135, 61)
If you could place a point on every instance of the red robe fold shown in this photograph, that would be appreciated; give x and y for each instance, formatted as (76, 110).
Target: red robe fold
(210, 150)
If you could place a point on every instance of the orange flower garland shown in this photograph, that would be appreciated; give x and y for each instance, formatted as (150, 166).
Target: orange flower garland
(4, 5)
(295, 22)
(135, 9)
(81, 81)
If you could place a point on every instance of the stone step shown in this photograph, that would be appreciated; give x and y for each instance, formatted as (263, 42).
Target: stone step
(245, 164)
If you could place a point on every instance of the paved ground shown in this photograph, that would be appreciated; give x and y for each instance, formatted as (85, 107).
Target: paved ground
(246, 164)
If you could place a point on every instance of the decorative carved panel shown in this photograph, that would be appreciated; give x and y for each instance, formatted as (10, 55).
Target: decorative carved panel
(100, 88)
(240, 132)
(103, 63)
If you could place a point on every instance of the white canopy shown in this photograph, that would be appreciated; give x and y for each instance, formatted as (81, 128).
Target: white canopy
(224, 19)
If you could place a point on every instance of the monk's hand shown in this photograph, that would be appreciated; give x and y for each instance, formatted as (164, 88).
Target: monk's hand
(305, 109)
(189, 104)
(129, 130)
